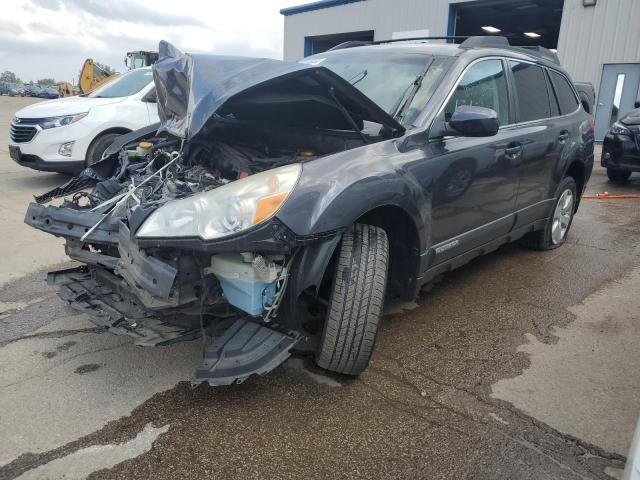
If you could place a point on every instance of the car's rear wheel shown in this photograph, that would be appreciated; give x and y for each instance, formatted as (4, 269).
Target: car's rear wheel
(98, 146)
(557, 226)
(618, 175)
(356, 301)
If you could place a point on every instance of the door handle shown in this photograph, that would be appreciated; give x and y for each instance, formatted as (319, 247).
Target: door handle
(513, 152)
(563, 137)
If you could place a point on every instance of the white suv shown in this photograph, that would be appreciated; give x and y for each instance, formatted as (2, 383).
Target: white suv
(67, 134)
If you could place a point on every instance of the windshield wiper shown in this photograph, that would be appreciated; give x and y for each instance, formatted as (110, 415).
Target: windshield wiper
(347, 116)
(409, 94)
(362, 76)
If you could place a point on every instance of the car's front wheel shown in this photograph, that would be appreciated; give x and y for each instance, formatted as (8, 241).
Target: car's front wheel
(557, 226)
(618, 175)
(356, 301)
(98, 146)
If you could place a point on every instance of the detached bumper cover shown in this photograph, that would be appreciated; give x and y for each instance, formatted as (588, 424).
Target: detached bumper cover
(244, 349)
(104, 299)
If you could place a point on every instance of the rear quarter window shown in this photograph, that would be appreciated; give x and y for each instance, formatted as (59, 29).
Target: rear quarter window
(564, 93)
(531, 88)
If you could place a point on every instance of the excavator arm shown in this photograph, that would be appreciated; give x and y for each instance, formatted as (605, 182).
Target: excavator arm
(92, 75)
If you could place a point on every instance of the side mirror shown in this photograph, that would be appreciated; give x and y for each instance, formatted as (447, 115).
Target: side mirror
(471, 121)
(151, 97)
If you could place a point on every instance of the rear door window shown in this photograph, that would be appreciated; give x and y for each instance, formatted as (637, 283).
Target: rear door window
(531, 87)
(484, 84)
(564, 93)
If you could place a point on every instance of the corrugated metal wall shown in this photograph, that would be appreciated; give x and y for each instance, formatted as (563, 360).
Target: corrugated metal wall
(593, 36)
(382, 16)
(589, 36)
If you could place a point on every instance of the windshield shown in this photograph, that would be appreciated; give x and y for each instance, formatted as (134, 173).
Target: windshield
(125, 85)
(400, 83)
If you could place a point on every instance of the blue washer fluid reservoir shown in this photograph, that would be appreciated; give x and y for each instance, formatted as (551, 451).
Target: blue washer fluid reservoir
(241, 284)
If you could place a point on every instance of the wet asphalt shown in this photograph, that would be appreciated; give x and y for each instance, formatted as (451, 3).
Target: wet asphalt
(424, 408)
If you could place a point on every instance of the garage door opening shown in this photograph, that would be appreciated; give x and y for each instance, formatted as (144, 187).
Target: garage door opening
(525, 22)
(322, 43)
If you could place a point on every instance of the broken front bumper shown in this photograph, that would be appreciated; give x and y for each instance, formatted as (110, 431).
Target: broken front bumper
(105, 299)
(136, 294)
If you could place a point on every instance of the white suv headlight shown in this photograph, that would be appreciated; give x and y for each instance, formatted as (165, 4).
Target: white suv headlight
(53, 122)
(224, 210)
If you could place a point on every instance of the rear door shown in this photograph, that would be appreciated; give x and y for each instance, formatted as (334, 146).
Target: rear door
(541, 134)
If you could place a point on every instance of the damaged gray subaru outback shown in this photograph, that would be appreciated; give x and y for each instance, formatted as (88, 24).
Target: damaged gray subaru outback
(277, 204)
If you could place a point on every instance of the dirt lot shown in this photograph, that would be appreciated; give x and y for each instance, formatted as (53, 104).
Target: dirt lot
(520, 365)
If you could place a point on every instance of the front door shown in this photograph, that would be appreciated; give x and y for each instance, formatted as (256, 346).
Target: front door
(473, 181)
(618, 94)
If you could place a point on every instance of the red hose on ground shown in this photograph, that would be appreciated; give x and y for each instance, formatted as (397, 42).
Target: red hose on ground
(607, 195)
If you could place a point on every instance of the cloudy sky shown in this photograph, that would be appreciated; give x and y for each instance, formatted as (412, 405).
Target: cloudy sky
(52, 38)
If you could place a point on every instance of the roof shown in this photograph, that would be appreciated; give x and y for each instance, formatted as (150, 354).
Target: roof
(447, 49)
(481, 45)
(310, 7)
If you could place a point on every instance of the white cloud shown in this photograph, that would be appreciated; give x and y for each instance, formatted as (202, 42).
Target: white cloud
(52, 38)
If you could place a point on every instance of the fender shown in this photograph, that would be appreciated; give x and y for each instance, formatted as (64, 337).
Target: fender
(335, 191)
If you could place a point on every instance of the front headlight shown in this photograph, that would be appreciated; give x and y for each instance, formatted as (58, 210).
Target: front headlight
(53, 122)
(225, 210)
(619, 129)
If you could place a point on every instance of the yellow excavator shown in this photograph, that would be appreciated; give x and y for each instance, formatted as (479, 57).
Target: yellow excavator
(92, 75)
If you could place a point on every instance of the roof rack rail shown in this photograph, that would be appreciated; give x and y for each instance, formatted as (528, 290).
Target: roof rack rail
(485, 42)
(542, 52)
(360, 43)
(412, 39)
(351, 44)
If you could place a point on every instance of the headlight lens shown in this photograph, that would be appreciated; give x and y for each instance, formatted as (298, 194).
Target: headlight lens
(53, 122)
(619, 129)
(225, 210)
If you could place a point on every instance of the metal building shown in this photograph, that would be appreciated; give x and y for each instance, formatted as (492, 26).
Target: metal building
(598, 41)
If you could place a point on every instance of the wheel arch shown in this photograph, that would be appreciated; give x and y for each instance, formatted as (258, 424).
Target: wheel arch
(404, 247)
(312, 265)
(578, 171)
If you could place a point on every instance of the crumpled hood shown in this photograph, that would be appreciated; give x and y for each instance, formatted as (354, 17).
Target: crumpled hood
(196, 89)
(63, 106)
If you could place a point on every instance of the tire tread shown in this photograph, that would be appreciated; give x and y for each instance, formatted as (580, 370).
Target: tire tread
(356, 302)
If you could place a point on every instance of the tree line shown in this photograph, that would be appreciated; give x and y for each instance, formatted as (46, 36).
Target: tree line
(10, 77)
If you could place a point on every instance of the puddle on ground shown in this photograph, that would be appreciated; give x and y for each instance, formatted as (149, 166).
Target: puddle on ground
(79, 464)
